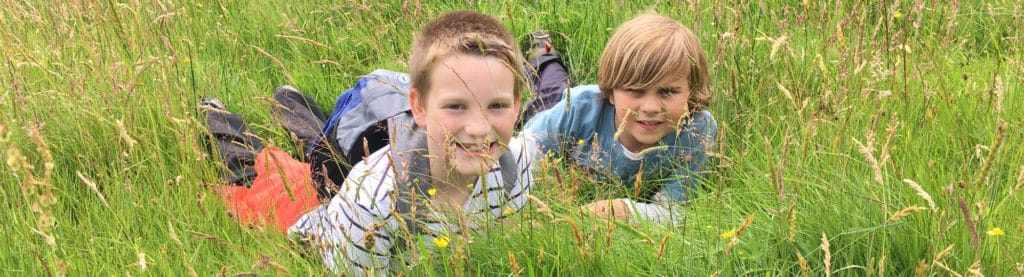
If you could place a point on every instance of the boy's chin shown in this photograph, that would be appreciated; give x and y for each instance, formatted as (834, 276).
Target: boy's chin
(649, 139)
(472, 168)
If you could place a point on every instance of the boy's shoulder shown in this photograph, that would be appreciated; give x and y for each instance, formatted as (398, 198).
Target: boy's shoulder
(584, 99)
(584, 104)
(581, 112)
(702, 122)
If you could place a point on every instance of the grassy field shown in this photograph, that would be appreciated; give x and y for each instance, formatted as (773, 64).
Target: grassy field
(856, 138)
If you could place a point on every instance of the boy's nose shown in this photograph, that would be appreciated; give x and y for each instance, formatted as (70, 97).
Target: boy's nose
(651, 105)
(477, 126)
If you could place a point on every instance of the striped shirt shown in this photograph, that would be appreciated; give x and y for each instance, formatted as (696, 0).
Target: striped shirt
(357, 230)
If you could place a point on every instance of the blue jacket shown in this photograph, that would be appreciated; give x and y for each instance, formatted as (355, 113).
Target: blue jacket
(582, 126)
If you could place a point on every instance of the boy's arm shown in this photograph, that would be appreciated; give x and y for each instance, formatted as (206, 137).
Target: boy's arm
(526, 152)
(350, 231)
(627, 209)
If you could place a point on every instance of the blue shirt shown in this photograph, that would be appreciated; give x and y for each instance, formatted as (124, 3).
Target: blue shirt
(582, 127)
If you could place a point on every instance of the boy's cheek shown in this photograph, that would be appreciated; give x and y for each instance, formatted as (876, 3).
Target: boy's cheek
(503, 120)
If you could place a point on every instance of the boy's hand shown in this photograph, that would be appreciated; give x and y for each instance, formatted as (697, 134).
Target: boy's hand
(615, 208)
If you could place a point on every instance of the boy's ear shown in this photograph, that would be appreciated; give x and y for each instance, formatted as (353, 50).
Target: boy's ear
(418, 113)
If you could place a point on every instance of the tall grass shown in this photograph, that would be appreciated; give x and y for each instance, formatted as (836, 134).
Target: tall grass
(841, 125)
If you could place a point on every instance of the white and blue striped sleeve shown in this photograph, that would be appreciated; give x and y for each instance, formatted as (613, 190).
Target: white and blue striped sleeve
(526, 152)
(350, 232)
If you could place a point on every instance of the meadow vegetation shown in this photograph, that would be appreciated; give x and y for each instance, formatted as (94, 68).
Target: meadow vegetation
(856, 137)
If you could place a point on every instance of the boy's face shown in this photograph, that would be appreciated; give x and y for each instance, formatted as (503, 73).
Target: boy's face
(468, 114)
(644, 116)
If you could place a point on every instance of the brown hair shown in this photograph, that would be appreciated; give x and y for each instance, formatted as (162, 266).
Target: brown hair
(648, 49)
(462, 32)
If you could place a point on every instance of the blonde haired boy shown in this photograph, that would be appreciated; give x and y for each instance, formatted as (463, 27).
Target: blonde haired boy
(464, 101)
(647, 113)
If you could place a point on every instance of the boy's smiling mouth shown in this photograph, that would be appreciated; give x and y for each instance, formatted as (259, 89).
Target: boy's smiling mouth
(476, 149)
(649, 124)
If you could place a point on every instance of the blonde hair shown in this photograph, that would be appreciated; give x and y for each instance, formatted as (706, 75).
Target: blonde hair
(467, 33)
(650, 48)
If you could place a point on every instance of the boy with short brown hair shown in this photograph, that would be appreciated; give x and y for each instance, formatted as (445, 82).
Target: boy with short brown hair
(464, 101)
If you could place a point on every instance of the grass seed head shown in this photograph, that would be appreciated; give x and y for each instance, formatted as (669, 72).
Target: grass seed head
(975, 269)
(905, 212)
(1020, 181)
(881, 266)
(541, 206)
(866, 151)
(828, 255)
(664, 241)
(804, 270)
(948, 270)
(942, 254)
(513, 264)
(921, 192)
(122, 132)
(142, 261)
(970, 223)
(986, 164)
(921, 268)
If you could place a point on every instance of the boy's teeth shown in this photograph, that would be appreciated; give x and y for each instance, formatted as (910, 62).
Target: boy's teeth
(475, 147)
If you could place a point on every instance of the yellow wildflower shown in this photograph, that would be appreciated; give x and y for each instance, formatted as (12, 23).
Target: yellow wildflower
(995, 232)
(728, 234)
(432, 191)
(442, 241)
(897, 15)
(507, 211)
(199, 5)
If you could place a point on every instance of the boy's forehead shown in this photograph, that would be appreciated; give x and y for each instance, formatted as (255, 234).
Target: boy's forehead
(462, 76)
(679, 79)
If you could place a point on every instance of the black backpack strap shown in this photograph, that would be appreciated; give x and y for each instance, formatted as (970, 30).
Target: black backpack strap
(509, 172)
(412, 173)
(412, 176)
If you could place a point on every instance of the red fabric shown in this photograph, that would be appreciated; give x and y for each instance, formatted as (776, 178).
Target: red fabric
(268, 200)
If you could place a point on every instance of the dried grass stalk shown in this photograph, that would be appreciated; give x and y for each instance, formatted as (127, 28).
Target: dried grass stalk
(865, 150)
(921, 192)
(92, 186)
(804, 270)
(905, 212)
(828, 255)
(942, 254)
(947, 269)
(541, 207)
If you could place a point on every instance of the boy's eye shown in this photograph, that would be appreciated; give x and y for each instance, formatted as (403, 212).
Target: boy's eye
(454, 107)
(498, 106)
(668, 91)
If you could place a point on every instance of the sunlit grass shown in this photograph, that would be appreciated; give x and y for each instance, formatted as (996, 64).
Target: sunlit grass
(827, 115)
